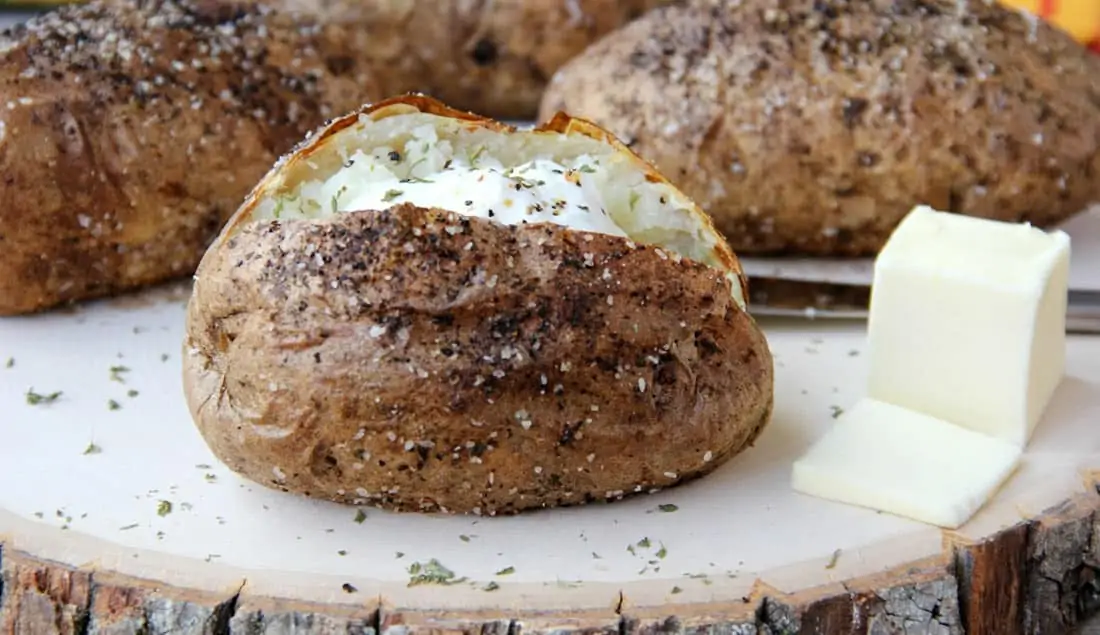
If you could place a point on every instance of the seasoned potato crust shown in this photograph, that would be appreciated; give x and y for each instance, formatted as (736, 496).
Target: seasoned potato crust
(397, 366)
(493, 58)
(130, 132)
(814, 126)
(419, 358)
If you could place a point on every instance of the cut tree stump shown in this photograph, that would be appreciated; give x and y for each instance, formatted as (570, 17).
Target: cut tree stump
(1038, 577)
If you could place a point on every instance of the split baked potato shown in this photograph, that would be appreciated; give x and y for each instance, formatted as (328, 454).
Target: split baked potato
(813, 126)
(131, 130)
(421, 309)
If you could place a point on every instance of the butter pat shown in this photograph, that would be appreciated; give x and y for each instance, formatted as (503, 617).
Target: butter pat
(902, 462)
(967, 321)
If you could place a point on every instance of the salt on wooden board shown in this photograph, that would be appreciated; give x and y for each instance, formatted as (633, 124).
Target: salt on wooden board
(112, 474)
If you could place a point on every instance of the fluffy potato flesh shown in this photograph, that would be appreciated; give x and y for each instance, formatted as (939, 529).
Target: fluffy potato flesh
(512, 177)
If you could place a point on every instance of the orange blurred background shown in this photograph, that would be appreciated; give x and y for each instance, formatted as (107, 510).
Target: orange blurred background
(1080, 18)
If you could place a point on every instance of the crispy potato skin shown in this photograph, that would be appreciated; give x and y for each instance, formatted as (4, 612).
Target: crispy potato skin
(121, 159)
(420, 360)
(131, 131)
(493, 58)
(813, 126)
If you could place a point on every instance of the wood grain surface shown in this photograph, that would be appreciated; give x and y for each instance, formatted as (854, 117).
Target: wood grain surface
(1038, 577)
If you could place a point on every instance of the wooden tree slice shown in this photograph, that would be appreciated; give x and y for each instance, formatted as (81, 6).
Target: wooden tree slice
(116, 519)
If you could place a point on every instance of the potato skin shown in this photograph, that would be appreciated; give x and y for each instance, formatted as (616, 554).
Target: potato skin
(130, 132)
(420, 360)
(492, 58)
(813, 126)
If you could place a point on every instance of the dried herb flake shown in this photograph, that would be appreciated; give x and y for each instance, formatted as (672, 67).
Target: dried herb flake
(35, 399)
(432, 572)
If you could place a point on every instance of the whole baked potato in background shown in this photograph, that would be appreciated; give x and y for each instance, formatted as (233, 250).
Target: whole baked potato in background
(489, 57)
(424, 310)
(812, 127)
(132, 129)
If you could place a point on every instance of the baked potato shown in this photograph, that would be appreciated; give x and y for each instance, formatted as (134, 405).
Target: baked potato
(493, 58)
(131, 130)
(812, 127)
(421, 309)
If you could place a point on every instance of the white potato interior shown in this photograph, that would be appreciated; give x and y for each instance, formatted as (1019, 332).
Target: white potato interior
(521, 177)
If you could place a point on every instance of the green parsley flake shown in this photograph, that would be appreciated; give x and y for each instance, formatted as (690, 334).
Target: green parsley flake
(117, 372)
(391, 195)
(34, 398)
(10, 363)
(506, 571)
(113, 405)
(360, 516)
(164, 508)
(668, 508)
(492, 586)
(432, 572)
(92, 449)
